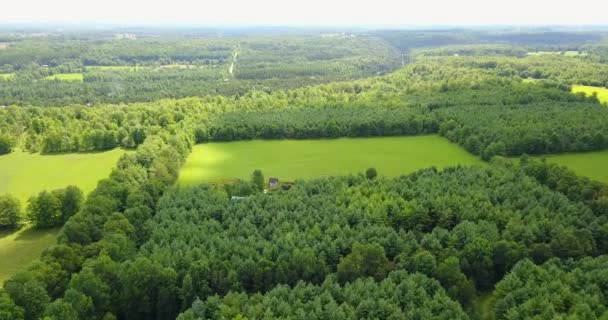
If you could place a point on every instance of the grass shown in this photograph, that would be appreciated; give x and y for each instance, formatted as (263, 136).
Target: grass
(484, 306)
(602, 93)
(303, 159)
(66, 77)
(7, 76)
(589, 164)
(19, 249)
(25, 174)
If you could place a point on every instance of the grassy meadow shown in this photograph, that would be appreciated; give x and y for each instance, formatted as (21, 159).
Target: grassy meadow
(7, 76)
(589, 164)
(20, 248)
(304, 159)
(602, 93)
(25, 174)
(66, 77)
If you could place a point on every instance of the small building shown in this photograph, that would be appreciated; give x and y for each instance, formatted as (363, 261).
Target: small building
(273, 182)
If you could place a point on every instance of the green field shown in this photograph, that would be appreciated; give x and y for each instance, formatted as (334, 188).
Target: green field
(7, 76)
(25, 174)
(302, 159)
(602, 93)
(18, 249)
(589, 164)
(66, 77)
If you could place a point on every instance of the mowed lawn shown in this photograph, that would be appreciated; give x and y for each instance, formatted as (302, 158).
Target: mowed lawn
(602, 93)
(590, 164)
(25, 174)
(304, 159)
(66, 77)
(19, 249)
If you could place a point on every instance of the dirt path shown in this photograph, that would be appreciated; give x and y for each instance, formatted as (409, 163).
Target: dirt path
(236, 54)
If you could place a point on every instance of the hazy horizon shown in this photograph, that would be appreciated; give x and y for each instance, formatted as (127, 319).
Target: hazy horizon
(383, 13)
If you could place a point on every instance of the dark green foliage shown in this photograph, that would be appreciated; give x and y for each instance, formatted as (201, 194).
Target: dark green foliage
(399, 296)
(257, 180)
(534, 129)
(54, 208)
(365, 260)
(371, 173)
(10, 212)
(307, 123)
(6, 143)
(8, 309)
(28, 293)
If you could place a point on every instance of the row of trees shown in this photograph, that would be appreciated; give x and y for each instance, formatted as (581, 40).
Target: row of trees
(399, 296)
(45, 210)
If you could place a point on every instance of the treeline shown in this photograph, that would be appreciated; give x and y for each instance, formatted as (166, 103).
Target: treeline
(391, 298)
(309, 123)
(513, 130)
(99, 50)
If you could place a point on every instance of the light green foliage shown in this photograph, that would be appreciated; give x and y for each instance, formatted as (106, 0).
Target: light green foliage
(66, 77)
(602, 93)
(290, 160)
(25, 174)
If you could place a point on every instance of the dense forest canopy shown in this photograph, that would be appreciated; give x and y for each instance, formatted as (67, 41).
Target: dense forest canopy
(527, 237)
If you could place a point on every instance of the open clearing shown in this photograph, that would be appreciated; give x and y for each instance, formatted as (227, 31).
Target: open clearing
(26, 174)
(19, 249)
(303, 159)
(66, 77)
(589, 164)
(602, 93)
(7, 76)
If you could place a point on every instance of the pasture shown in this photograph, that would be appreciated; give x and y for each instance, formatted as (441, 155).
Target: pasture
(589, 164)
(25, 174)
(19, 249)
(304, 159)
(66, 77)
(7, 76)
(602, 93)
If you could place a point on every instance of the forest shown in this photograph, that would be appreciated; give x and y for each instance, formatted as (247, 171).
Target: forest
(524, 235)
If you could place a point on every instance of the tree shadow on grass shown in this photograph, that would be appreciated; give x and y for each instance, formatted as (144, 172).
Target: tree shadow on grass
(32, 234)
(7, 232)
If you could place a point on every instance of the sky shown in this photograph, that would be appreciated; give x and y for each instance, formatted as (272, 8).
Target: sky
(309, 12)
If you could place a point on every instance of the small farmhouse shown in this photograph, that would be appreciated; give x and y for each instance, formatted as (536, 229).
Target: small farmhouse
(273, 182)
